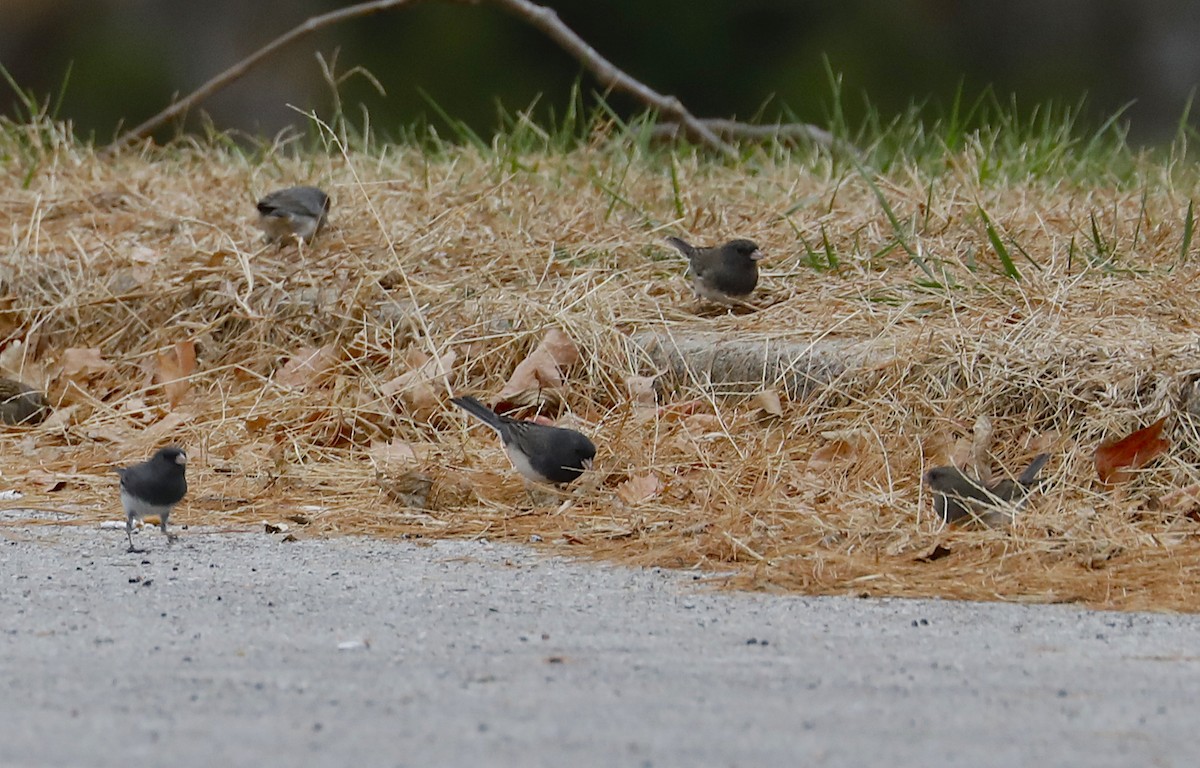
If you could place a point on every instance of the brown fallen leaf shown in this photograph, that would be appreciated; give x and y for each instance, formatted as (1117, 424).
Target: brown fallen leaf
(703, 424)
(396, 451)
(937, 552)
(82, 363)
(839, 452)
(639, 488)
(415, 389)
(767, 401)
(543, 368)
(307, 366)
(1181, 500)
(641, 391)
(1117, 461)
(175, 366)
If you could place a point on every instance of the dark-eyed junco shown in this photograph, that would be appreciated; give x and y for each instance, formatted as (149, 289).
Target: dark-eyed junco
(726, 274)
(957, 496)
(153, 488)
(295, 212)
(541, 453)
(21, 403)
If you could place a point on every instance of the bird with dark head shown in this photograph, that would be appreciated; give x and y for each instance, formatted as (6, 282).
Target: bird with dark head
(960, 498)
(293, 213)
(541, 453)
(726, 274)
(152, 488)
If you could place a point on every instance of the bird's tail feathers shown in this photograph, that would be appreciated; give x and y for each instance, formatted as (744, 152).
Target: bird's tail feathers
(1030, 475)
(684, 247)
(479, 411)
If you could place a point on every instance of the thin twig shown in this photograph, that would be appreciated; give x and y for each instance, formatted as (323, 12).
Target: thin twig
(705, 132)
(609, 75)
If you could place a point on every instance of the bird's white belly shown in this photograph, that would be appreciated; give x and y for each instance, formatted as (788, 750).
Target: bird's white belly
(521, 463)
(137, 508)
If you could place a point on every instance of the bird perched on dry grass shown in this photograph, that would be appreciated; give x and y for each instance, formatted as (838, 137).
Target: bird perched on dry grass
(726, 274)
(293, 213)
(21, 403)
(152, 488)
(960, 498)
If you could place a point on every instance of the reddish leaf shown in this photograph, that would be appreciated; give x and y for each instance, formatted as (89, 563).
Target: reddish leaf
(175, 366)
(1116, 461)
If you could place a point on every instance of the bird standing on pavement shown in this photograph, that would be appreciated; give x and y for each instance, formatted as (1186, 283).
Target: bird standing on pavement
(541, 453)
(153, 488)
(295, 212)
(726, 274)
(957, 496)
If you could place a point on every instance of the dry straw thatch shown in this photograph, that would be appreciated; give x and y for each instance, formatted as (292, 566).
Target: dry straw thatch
(794, 467)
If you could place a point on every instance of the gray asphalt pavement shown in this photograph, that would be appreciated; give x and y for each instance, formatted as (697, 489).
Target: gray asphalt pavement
(240, 650)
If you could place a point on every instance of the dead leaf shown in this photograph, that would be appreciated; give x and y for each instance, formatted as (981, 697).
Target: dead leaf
(140, 254)
(175, 366)
(768, 403)
(936, 553)
(257, 424)
(639, 488)
(168, 425)
(542, 369)
(84, 363)
(839, 452)
(307, 366)
(679, 411)
(641, 391)
(415, 388)
(1116, 461)
(395, 452)
(1182, 500)
(703, 423)
(47, 483)
(981, 446)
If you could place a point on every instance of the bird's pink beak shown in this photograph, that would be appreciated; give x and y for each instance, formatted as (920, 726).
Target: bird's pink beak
(757, 255)
(181, 459)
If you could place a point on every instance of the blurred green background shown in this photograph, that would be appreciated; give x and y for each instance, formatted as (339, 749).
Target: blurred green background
(747, 58)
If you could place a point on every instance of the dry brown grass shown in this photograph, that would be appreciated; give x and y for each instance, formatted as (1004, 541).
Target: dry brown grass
(466, 251)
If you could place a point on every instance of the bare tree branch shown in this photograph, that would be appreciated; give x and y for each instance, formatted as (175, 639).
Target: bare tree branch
(609, 76)
(706, 132)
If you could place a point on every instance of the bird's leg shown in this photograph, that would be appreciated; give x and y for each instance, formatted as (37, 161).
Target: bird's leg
(129, 533)
(170, 536)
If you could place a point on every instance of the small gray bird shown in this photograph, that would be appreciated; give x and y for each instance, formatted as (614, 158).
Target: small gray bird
(726, 274)
(957, 496)
(541, 453)
(21, 403)
(295, 212)
(153, 488)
